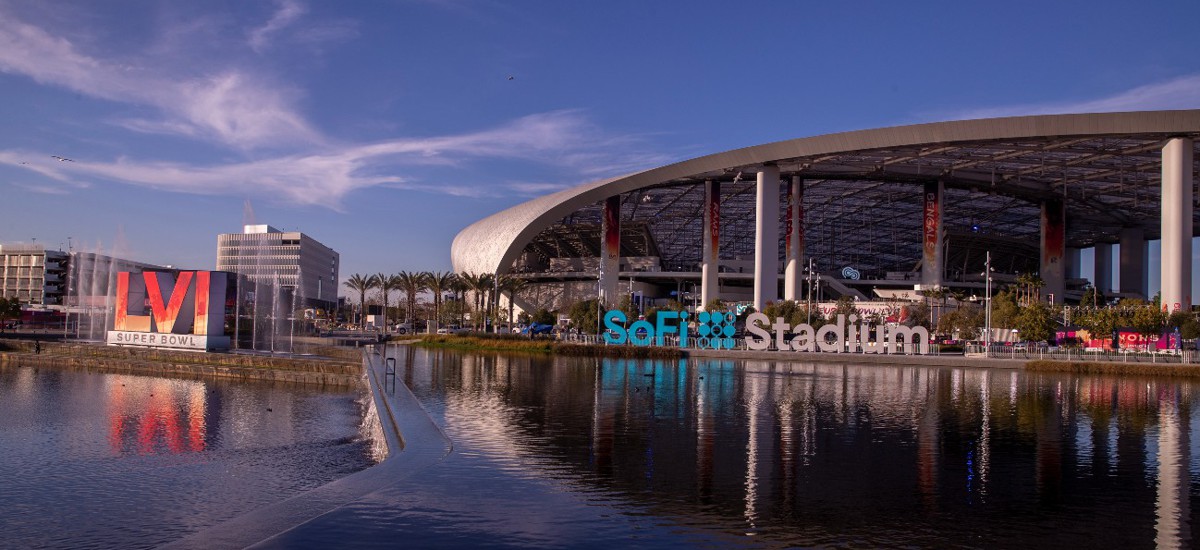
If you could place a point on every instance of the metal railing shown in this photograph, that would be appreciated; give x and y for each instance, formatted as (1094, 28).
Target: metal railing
(1002, 351)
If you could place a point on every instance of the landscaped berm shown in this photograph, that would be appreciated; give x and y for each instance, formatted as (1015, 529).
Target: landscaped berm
(326, 366)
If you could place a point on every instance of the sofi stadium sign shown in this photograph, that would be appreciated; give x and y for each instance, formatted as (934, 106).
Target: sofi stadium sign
(716, 330)
(185, 311)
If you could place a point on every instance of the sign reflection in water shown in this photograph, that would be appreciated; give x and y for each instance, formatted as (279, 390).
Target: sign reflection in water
(824, 454)
(93, 460)
(156, 415)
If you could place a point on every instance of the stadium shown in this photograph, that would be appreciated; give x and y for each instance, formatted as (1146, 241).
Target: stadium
(878, 215)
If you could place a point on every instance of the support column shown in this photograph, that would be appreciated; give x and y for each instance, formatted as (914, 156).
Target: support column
(710, 265)
(1102, 277)
(766, 238)
(610, 251)
(793, 271)
(1176, 277)
(932, 266)
(1074, 266)
(1133, 259)
(1054, 246)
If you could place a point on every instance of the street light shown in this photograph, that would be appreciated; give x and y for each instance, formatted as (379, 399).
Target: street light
(809, 277)
(987, 316)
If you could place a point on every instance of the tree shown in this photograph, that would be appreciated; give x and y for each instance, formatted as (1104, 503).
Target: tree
(411, 284)
(362, 285)
(474, 283)
(10, 308)
(1005, 309)
(584, 315)
(386, 283)
(1035, 322)
(438, 282)
(1186, 322)
(966, 320)
(544, 316)
(844, 306)
(512, 285)
(1148, 320)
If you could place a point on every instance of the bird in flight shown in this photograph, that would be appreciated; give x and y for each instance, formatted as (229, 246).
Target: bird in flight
(61, 159)
(510, 77)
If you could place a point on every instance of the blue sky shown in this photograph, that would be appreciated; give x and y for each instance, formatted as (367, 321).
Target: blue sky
(382, 128)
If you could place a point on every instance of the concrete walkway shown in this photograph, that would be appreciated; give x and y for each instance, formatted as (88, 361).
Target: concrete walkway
(403, 421)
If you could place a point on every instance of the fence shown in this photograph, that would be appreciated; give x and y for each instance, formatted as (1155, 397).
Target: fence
(1001, 351)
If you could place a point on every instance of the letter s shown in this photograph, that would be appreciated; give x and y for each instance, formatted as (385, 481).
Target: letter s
(610, 323)
(752, 326)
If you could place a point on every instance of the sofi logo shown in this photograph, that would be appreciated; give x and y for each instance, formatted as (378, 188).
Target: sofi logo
(193, 301)
(714, 329)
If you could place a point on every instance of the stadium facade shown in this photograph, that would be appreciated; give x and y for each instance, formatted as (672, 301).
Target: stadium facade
(870, 213)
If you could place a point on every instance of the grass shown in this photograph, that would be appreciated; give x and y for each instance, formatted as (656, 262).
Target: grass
(1142, 369)
(519, 343)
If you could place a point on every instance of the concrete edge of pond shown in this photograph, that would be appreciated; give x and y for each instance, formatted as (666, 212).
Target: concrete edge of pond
(415, 442)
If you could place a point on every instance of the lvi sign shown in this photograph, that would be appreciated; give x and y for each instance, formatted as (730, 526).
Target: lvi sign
(186, 311)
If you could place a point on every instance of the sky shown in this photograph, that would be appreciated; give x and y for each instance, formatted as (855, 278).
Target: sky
(382, 128)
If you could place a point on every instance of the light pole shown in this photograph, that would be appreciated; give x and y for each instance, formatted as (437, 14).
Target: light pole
(808, 306)
(987, 300)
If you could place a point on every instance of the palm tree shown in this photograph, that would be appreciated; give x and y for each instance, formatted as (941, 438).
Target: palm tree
(386, 283)
(470, 281)
(459, 288)
(411, 283)
(362, 285)
(438, 281)
(487, 286)
(511, 285)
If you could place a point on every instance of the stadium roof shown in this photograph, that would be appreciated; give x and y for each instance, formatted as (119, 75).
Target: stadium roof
(862, 193)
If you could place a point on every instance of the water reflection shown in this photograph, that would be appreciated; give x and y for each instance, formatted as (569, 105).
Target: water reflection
(156, 415)
(116, 461)
(812, 454)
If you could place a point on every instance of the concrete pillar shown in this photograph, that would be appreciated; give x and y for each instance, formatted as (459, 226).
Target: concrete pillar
(766, 238)
(610, 251)
(1132, 261)
(710, 264)
(932, 266)
(793, 271)
(1102, 262)
(1074, 266)
(1054, 247)
(1176, 277)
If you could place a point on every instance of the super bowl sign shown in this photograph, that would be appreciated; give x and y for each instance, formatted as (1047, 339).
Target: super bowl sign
(716, 330)
(185, 311)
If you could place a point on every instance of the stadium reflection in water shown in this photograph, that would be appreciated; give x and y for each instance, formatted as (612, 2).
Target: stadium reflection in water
(804, 454)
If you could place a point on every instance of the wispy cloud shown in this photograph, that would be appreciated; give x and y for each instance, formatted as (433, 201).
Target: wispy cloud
(227, 105)
(288, 13)
(558, 138)
(1178, 93)
(286, 157)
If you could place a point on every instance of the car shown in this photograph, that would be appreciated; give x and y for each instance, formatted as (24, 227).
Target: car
(443, 330)
(403, 328)
(538, 328)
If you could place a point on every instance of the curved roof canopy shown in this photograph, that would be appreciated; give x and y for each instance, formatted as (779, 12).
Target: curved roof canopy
(862, 189)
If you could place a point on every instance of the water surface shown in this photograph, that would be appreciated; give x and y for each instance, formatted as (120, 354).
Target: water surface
(110, 460)
(568, 452)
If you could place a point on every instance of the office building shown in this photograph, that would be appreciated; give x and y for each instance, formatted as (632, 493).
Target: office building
(293, 260)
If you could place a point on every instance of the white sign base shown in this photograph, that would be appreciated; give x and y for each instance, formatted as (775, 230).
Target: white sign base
(186, 342)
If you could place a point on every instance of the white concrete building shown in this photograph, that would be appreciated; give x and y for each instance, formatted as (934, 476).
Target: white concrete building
(298, 262)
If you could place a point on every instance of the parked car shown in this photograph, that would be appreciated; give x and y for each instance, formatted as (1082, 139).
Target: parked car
(403, 328)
